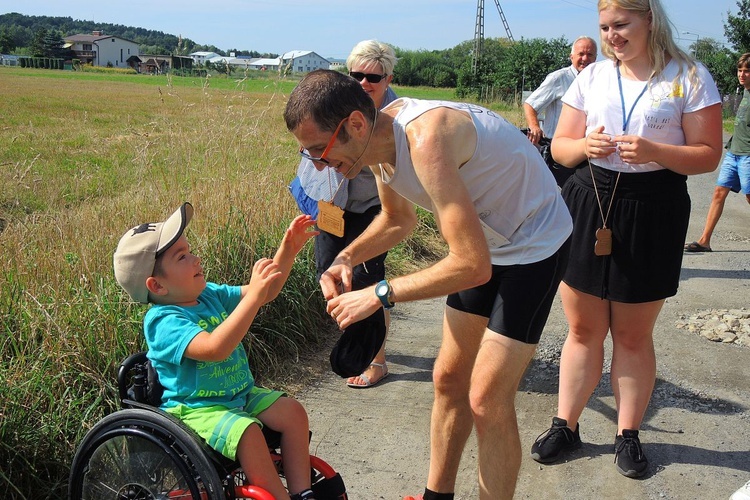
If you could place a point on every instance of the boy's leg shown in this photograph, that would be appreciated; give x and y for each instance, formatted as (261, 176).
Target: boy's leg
(236, 434)
(714, 214)
(289, 417)
(255, 460)
(743, 170)
(728, 180)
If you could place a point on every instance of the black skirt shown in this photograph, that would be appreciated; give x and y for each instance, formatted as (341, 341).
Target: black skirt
(649, 220)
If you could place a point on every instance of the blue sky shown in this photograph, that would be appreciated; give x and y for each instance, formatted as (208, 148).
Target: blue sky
(332, 27)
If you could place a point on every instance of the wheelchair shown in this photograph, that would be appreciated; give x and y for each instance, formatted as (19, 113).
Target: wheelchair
(143, 453)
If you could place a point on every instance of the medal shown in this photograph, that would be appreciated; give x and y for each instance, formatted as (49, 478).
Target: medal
(603, 245)
(330, 218)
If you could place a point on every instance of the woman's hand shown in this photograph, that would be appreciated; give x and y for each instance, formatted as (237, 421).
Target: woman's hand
(635, 150)
(600, 145)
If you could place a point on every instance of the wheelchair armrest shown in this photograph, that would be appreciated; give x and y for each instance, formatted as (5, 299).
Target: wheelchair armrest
(125, 370)
(137, 380)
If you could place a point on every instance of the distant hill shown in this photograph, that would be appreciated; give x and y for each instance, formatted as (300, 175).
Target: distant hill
(19, 29)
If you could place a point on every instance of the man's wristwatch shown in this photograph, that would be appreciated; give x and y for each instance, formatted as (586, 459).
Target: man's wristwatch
(385, 294)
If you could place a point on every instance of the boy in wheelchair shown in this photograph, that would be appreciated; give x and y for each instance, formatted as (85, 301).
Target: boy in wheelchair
(194, 330)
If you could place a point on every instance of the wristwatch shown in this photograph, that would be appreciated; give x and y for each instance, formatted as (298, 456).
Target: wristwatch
(385, 294)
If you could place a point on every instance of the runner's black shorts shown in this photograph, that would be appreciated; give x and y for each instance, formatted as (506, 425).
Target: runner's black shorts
(328, 246)
(517, 299)
(649, 220)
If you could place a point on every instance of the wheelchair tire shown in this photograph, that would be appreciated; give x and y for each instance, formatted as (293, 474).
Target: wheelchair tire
(143, 455)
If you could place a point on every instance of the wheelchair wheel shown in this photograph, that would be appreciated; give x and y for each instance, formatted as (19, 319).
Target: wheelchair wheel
(141, 454)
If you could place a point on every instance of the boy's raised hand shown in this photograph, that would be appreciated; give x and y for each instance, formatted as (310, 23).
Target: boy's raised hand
(299, 232)
(265, 272)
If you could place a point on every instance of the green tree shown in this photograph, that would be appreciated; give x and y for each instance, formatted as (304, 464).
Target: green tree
(37, 44)
(424, 68)
(7, 44)
(53, 44)
(506, 68)
(720, 61)
(737, 27)
(217, 67)
(475, 84)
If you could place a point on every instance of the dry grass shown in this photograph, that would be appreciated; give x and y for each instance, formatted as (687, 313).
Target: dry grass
(84, 160)
(85, 157)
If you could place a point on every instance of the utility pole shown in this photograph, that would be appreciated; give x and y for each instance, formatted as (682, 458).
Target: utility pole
(697, 42)
(479, 32)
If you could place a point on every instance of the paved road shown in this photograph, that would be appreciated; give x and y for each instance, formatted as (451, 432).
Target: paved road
(696, 432)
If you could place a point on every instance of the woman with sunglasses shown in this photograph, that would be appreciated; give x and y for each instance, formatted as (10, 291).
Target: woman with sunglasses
(371, 64)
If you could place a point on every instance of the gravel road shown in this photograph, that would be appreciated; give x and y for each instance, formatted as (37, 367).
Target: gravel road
(696, 432)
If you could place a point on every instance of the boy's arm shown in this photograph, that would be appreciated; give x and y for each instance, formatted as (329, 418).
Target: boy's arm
(219, 344)
(295, 237)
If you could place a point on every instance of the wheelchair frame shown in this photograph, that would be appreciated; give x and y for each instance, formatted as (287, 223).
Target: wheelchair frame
(143, 453)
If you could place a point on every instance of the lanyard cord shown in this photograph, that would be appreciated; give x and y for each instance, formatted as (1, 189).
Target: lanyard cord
(330, 185)
(625, 121)
(598, 198)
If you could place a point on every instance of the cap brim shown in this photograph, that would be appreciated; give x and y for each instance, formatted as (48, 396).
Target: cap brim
(173, 227)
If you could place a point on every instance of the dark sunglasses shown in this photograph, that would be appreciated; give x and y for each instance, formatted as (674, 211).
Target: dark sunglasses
(371, 77)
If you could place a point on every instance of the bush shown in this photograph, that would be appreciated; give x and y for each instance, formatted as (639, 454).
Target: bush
(88, 68)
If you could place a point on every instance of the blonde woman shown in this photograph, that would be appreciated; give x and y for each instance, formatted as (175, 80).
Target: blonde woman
(646, 118)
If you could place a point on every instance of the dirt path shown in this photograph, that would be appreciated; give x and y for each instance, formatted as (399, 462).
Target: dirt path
(696, 432)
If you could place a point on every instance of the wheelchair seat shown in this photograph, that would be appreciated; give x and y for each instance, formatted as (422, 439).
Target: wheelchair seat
(139, 387)
(141, 452)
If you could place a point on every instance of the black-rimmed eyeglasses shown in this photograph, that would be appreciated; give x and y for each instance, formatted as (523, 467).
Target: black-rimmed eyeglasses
(370, 77)
(322, 158)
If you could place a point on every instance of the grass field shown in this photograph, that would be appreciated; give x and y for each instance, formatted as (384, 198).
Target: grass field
(85, 156)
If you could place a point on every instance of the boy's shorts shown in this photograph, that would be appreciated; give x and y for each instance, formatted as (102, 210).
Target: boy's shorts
(222, 427)
(734, 173)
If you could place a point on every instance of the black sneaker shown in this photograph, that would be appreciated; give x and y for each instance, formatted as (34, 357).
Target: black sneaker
(629, 457)
(556, 441)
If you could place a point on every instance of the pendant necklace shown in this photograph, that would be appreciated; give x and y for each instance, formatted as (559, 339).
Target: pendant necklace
(603, 244)
(331, 217)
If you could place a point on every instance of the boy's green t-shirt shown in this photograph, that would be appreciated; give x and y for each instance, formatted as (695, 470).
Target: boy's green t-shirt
(741, 137)
(169, 329)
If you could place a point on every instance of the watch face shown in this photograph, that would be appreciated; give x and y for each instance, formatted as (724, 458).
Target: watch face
(381, 290)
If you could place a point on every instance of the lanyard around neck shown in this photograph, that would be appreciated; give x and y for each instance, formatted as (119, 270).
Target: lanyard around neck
(626, 117)
(330, 183)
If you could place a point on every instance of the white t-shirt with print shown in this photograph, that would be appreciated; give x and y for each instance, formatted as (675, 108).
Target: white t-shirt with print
(657, 115)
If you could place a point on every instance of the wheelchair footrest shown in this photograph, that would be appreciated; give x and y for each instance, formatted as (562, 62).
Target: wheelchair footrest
(331, 488)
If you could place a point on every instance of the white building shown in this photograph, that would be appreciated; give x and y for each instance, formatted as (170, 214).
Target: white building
(99, 49)
(303, 61)
(337, 64)
(202, 57)
(265, 64)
